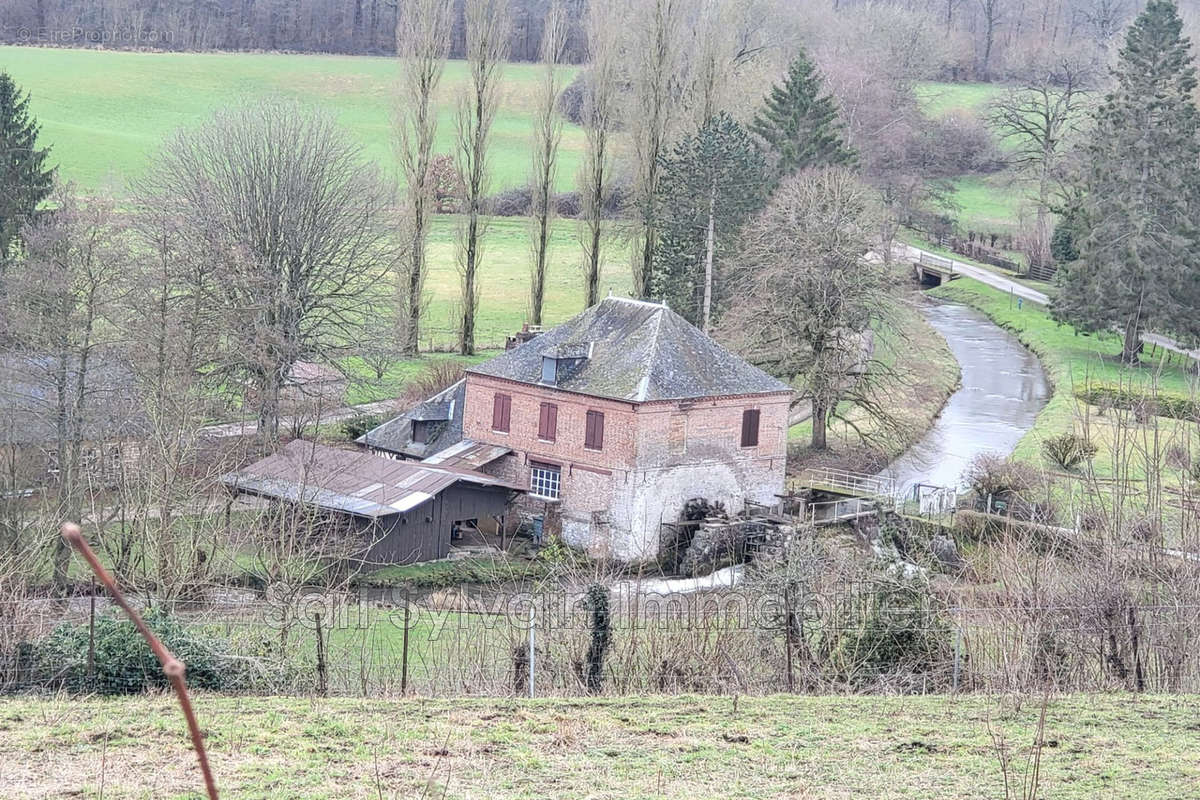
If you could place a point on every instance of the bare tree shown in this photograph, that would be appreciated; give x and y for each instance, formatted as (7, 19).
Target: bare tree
(654, 64)
(599, 121)
(63, 376)
(807, 296)
(422, 42)
(1039, 122)
(295, 226)
(487, 23)
(993, 18)
(546, 137)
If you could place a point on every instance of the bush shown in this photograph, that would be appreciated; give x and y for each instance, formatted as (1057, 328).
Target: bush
(570, 102)
(359, 425)
(567, 204)
(1140, 403)
(516, 202)
(1069, 451)
(960, 143)
(124, 663)
(989, 474)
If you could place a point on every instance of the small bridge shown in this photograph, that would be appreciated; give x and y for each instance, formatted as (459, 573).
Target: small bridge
(844, 483)
(855, 495)
(931, 270)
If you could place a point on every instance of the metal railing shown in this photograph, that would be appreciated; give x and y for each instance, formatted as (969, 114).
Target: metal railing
(844, 481)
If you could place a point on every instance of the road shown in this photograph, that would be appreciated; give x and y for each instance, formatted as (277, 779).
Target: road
(986, 276)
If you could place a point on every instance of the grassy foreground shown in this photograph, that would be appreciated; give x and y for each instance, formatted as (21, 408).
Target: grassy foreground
(1105, 746)
(106, 112)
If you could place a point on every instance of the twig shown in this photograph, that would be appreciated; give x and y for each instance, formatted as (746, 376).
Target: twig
(173, 668)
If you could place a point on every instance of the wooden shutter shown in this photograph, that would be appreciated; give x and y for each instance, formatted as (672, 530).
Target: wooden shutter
(548, 422)
(750, 427)
(501, 410)
(593, 435)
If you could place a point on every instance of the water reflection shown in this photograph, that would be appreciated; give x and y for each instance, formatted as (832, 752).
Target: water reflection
(1003, 389)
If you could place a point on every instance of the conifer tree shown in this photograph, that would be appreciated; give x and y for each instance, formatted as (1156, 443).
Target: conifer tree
(1136, 234)
(25, 180)
(712, 182)
(800, 124)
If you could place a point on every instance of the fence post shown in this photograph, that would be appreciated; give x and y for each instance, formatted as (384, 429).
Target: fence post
(532, 623)
(91, 662)
(787, 637)
(957, 654)
(404, 649)
(322, 667)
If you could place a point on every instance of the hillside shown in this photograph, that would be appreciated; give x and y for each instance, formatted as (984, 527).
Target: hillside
(106, 112)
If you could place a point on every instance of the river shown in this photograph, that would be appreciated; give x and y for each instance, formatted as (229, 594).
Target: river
(1003, 390)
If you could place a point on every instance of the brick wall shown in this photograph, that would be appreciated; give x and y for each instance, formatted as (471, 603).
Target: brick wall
(655, 457)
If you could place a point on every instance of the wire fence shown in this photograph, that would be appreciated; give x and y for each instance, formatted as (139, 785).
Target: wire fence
(730, 642)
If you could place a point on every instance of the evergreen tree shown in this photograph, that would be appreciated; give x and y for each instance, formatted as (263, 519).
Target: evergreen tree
(712, 182)
(1136, 236)
(25, 180)
(800, 124)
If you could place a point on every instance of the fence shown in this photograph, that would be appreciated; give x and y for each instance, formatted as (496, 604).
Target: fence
(741, 641)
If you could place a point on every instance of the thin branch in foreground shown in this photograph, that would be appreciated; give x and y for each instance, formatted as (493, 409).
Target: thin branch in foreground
(173, 668)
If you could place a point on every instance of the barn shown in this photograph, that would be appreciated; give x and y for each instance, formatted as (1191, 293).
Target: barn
(407, 511)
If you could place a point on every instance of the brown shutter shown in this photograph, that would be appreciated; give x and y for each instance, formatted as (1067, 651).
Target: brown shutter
(548, 422)
(593, 437)
(750, 427)
(501, 408)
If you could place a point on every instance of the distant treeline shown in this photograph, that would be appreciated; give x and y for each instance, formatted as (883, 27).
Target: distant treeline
(323, 26)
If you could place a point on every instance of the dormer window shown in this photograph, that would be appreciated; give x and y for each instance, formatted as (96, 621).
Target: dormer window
(560, 362)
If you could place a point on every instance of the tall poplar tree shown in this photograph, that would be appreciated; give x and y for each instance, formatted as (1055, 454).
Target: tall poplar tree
(800, 123)
(25, 179)
(1136, 232)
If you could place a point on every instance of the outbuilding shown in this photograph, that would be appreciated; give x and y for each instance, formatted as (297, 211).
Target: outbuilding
(407, 511)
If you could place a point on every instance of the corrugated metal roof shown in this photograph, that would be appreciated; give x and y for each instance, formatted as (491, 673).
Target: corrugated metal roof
(351, 481)
(468, 454)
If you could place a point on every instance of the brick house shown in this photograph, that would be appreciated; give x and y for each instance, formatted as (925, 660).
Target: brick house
(618, 416)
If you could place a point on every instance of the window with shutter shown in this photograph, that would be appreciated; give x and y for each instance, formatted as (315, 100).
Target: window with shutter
(593, 435)
(548, 422)
(501, 410)
(750, 427)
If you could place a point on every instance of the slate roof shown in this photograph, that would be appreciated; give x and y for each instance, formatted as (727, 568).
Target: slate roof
(353, 482)
(639, 352)
(29, 401)
(444, 408)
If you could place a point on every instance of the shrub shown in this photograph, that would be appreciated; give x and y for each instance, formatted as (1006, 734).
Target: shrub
(359, 425)
(1142, 405)
(1069, 451)
(567, 204)
(990, 474)
(124, 663)
(959, 143)
(516, 202)
(570, 102)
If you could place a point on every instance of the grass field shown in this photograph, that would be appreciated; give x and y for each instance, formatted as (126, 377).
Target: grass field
(106, 112)
(885, 748)
(938, 99)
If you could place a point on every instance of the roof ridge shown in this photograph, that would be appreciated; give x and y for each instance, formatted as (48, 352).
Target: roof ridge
(656, 344)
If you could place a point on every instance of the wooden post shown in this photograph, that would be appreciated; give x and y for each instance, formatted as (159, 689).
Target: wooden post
(404, 649)
(91, 658)
(322, 667)
(532, 625)
(787, 638)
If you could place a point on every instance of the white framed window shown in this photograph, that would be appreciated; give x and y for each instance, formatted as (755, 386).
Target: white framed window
(545, 481)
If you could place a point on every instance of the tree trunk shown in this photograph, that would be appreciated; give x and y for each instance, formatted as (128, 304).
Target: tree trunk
(820, 421)
(467, 338)
(1133, 342)
(708, 256)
